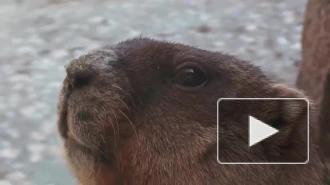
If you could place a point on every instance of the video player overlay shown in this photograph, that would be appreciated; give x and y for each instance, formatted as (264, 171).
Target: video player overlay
(263, 130)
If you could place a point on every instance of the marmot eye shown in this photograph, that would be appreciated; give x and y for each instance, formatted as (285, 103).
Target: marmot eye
(189, 77)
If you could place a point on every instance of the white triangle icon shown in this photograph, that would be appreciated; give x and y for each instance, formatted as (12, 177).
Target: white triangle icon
(259, 131)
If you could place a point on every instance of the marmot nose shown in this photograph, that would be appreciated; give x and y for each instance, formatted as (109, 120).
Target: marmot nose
(88, 68)
(79, 75)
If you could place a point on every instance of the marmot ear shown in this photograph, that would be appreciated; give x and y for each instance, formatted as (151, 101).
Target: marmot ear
(291, 116)
(292, 109)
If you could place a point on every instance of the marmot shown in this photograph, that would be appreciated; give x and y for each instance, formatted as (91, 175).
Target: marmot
(144, 112)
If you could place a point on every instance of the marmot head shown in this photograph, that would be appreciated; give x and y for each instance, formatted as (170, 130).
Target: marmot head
(144, 110)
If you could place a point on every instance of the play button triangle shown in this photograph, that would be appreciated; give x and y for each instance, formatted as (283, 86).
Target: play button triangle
(259, 131)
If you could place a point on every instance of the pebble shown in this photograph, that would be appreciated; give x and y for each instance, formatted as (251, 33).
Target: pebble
(36, 148)
(5, 182)
(9, 153)
(16, 175)
(60, 53)
(35, 157)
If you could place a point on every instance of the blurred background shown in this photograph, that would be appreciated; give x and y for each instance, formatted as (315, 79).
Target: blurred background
(38, 37)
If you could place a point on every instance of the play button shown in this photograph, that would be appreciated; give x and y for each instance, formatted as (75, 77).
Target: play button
(259, 131)
(262, 131)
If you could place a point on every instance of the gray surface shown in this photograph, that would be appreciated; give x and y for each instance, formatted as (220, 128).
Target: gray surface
(39, 37)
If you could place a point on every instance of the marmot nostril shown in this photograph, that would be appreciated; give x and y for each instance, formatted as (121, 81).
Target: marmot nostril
(78, 81)
(79, 75)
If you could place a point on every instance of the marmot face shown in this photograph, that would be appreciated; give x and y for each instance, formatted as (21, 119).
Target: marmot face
(144, 112)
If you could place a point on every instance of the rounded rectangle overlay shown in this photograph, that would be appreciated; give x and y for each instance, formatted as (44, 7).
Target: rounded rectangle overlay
(240, 105)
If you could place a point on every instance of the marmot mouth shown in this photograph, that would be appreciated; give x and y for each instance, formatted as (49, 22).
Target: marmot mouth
(97, 122)
(70, 141)
(63, 120)
(62, 123)
(64, 130)
(63, 126)
(73, 145)
(71, 129)
(62, 111)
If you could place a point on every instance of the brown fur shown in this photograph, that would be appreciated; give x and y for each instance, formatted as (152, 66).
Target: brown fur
(315, 66)
(123, 121)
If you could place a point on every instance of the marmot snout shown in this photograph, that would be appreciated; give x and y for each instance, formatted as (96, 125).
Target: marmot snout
(144, 112)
